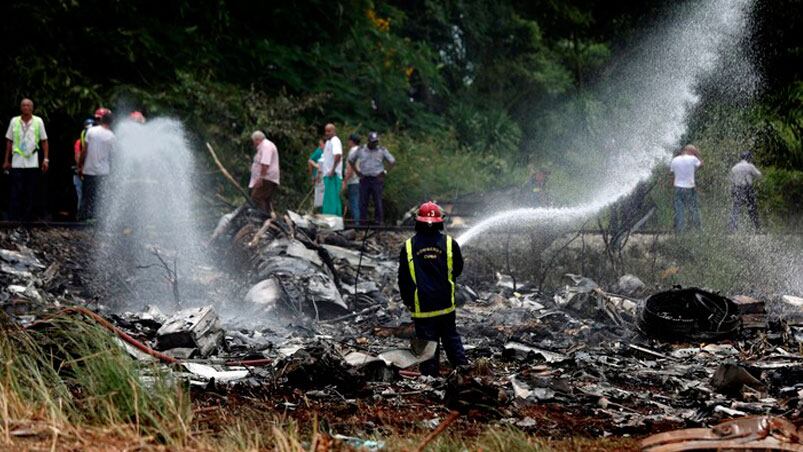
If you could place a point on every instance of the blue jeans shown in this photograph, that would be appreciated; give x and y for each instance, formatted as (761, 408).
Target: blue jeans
(93, 190)
(76, 181)
(354, 201)
(686, 202)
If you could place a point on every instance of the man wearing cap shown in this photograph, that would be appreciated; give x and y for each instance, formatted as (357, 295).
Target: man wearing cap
(25, 136)
(742, 176)
(369, 163)
(429, 264)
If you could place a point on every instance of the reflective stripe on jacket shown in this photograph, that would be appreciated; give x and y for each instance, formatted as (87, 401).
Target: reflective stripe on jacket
(428, 267)
(17, 133)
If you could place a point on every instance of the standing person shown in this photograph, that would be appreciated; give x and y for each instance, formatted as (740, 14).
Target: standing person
(264, 172)
(351, 183)
(314, 167)
(332, 172)
(370, 164)
(77, 147)
(742, 176)
(95, 164)
(429, 264)
(25, 136)
(535, 188)
(683, 167)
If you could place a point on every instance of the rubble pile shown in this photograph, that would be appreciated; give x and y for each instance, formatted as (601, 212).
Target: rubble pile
(320, 319)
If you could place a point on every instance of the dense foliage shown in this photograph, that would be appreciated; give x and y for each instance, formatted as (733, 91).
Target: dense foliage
(476, 88)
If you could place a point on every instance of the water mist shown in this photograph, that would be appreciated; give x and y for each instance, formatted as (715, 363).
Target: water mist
(649, 100)
(149, 217)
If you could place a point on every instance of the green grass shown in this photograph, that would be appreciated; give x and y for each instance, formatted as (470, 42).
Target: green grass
(73, 372)
(732, 264)
(72, 382)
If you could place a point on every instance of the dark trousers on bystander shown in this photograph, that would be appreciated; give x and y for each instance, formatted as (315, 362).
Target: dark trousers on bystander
(743, 195)
(262, 196)
(443, 330)
(371, 187)
(92, 189)
(24, 187)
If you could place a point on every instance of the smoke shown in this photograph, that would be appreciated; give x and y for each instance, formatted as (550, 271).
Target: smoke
(648, 101)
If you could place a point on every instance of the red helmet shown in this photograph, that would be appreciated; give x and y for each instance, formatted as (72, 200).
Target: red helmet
(137, 117)
(101, 112)
(429, 212)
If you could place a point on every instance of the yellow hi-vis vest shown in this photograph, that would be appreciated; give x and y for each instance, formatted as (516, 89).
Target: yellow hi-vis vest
(417, 313)
(16, 130)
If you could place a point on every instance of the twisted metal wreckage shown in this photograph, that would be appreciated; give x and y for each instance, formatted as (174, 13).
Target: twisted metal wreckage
(322, 315)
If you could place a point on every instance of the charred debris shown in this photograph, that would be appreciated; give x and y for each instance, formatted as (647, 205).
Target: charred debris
(320, 317)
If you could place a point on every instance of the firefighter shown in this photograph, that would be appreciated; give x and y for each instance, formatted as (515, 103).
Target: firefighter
(429, 263)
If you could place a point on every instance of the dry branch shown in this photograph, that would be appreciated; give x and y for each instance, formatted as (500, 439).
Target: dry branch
(229, 177)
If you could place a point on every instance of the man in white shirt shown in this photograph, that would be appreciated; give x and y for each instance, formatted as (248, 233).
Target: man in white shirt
(742, 176)
(332, 172)
(683, 167)
(264, 172)
(94, 165)
(25, 136)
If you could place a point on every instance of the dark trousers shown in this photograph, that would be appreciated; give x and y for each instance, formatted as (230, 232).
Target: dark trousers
(371, 187)
(92, 189)
(24, 187)
(443, 330)
(743, 195)
(262, 196)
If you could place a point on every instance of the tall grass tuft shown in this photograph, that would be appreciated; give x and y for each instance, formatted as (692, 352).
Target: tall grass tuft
(72, 371)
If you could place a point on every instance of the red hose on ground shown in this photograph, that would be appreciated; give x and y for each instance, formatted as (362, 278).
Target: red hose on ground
(453, 415)
(120, 333)
(249, 362)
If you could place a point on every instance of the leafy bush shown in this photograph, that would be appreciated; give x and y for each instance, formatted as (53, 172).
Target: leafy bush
(433, 167)
(485, 131)
(781, 121)
(225, 115)
(780, 194)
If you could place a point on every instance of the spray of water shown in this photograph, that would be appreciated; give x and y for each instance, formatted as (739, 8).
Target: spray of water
(149, 208)
(648, 103)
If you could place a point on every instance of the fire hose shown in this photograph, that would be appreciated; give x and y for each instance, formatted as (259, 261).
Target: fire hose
(453, 415)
